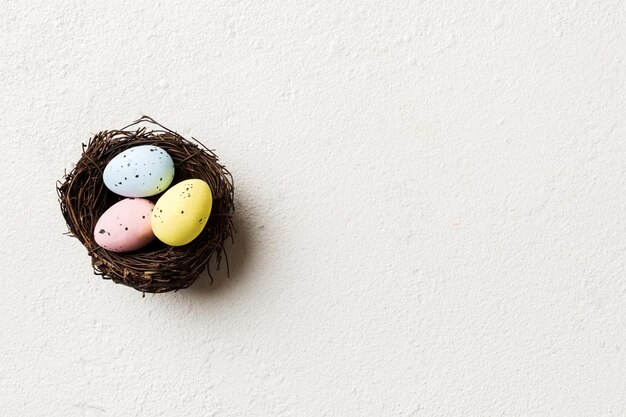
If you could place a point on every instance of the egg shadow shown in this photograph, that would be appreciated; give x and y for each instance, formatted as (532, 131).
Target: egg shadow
(238, 254)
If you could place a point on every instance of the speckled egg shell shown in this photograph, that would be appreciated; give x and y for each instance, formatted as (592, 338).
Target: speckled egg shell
(141, 171)
(125, 226)
(182, 212)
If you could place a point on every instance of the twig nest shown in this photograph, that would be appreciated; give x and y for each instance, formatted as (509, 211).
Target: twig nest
(157, 267)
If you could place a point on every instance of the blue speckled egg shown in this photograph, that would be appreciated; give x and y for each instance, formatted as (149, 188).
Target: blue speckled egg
(141, 171)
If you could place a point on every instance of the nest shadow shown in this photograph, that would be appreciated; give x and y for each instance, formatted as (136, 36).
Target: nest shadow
(240, 253)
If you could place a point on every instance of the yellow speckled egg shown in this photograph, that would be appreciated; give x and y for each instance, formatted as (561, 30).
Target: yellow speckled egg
(182, 212)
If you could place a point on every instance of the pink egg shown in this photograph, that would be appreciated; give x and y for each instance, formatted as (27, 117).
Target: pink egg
(125, 226)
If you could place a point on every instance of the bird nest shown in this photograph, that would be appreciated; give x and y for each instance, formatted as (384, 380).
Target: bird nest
(157, 267)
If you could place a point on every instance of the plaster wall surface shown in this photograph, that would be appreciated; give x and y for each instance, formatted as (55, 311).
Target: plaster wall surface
(430, 204)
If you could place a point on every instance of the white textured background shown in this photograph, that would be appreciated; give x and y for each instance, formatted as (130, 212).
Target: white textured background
(431, 203)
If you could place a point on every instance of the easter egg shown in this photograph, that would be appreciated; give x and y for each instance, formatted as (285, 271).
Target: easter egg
(125, 226)
(141, 171)
(182, 212)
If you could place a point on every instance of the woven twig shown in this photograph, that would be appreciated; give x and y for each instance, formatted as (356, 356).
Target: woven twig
(157, 267)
